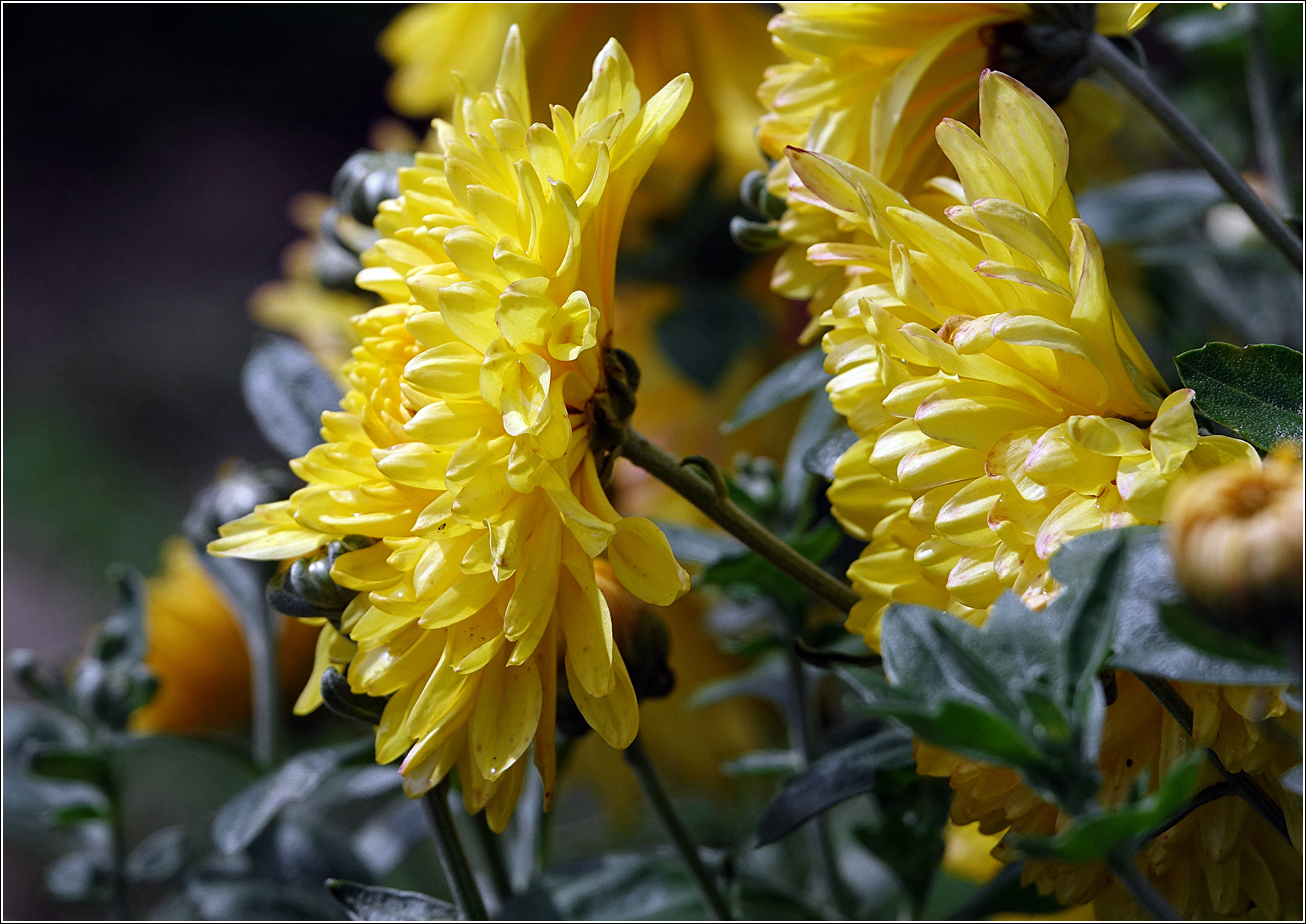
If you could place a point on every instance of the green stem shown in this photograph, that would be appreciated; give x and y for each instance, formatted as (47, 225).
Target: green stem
(265, 721)
(1136, 81)
(119, 908)
(1269, 153)
(500, 881)
(710, 496)
(1129, 875)
(666, 812)
(457, 871)
(803, 738)
(1241, 783)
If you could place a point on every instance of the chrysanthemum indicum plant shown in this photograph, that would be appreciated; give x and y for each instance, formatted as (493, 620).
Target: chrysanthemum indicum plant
(470, 445)
(1035, 602)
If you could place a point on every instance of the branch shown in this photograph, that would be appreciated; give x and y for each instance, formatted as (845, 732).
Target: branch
(457, 872)
(1152, 901)
(707, 496)
(1241, 783)
(1135, 80)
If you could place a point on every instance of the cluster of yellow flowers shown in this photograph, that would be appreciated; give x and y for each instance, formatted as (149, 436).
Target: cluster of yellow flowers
(1001, 403)
(463, 445)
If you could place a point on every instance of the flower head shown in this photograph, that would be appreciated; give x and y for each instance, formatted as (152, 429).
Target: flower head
(724, 45)
(867, 83)
(1004, 408)
(464, 444)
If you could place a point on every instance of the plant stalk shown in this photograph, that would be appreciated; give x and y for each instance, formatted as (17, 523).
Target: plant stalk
(1136, 81)
(1152, 901)
(453, 860)
(803, 739)
(666, 812)
(1269, 153)
(265, 721)
(715, 501)
(1242, 784)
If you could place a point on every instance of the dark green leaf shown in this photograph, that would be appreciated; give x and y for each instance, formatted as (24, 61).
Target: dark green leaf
(821, 459)
(906, 830)
(752, 575)
(791, 379)
(767, 901)
(1188, 627)
(375, 903)
(618, 887)
(123, 633)
(286, 389)
(248, 813)
(69, 816)
(253, 900)
(1142, 642)
(158, 856)
(1255, 391)
(1096, 835)
(796, 484)
(841, 774)
(70, 765)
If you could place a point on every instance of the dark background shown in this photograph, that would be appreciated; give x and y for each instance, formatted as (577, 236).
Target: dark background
(149, 153)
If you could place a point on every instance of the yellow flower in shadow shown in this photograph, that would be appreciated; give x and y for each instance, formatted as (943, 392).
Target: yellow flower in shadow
(195, 647)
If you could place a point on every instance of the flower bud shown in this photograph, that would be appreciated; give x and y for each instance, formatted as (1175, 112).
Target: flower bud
(238, 489)
(306, 589)
(1236, 538)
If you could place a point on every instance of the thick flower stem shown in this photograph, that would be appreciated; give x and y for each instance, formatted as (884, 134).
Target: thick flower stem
(657, 797)
(1129, 876)
(714, 501)
(457, 871)
(1242, 784)
(1136, 81)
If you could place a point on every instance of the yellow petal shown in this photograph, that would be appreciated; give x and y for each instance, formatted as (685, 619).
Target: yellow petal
(615, 716)
(507, 712)
(642, 561)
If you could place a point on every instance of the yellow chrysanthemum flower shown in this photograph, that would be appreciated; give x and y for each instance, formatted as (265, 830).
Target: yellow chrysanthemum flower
(724, 45)
(1004, 408)
(866, 83)
(194, 646)
(464, 444)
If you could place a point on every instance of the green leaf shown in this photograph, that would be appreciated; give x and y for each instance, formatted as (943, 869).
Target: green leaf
(1142, 643)
(70, 816)
(766, 679)
(764, 763)
(617, 887)
(791, 379)
(906, 830)
(245, 816)
(286, 390)
(821, 458)
(376, 903)
(1096, 835)
(1255, 391)
(796, 483)
(1188, 627)
(158, 856)
(752, 575)
(838, 775)
(70, 765)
